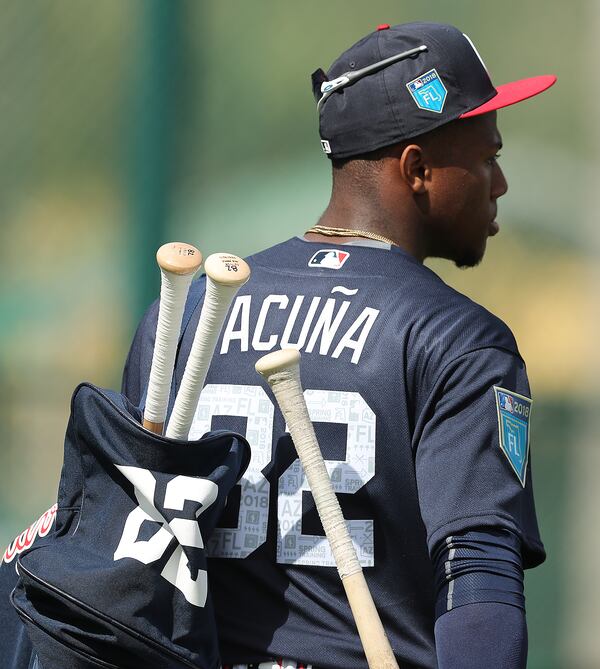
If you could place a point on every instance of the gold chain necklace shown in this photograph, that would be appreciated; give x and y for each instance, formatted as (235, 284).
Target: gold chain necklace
(348, 232)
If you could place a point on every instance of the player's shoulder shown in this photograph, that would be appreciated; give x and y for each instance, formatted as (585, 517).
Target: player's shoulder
(451, 316)
(448, 325)
(282, 255)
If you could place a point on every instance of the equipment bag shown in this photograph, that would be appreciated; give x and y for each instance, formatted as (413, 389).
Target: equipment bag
(121, 581)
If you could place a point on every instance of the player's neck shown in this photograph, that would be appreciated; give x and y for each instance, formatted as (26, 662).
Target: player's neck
(359, 214)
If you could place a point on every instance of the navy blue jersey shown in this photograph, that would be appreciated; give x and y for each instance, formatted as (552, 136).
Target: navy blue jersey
(421, 404)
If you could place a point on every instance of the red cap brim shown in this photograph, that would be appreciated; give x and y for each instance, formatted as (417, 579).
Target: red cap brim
(509, 94)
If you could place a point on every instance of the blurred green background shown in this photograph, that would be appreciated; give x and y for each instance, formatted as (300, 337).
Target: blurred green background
(129, 124)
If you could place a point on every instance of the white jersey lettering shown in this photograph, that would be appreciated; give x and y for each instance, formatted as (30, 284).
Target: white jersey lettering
(257, 344)
(322, 326)
(241, 309)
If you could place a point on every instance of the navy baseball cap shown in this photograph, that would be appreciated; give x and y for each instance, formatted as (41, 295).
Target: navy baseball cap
(402, 81)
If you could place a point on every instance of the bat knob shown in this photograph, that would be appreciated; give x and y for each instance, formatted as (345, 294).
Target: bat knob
(227, 269)
(179, 258)
(278, 361)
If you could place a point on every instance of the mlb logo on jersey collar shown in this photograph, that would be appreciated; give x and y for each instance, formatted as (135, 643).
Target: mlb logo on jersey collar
(514, 411)
(329, 258)
(428, 91)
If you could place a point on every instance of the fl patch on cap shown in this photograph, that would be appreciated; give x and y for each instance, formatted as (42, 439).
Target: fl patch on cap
(401, 81)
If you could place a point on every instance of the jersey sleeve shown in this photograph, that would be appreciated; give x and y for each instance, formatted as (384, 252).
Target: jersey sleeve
(472, 451)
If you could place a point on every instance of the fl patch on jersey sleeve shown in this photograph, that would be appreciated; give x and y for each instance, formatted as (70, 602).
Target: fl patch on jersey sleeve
(514, 411)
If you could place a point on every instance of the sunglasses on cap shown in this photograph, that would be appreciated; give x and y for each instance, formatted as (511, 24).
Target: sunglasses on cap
(327, 88)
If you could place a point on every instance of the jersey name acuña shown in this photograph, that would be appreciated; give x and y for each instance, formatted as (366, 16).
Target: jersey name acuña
(320, 324)
(399, 373)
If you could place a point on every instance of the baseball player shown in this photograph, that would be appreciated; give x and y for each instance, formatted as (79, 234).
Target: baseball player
(419, 396)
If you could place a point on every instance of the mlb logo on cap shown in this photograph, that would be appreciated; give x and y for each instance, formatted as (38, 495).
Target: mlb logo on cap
(329, 258)
(428, 91)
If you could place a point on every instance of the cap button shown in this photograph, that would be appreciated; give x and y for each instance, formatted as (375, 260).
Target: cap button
(383, 26)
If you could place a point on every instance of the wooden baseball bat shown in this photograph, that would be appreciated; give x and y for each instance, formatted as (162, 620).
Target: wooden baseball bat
(281, 369)
(225, 274)
(178, 263)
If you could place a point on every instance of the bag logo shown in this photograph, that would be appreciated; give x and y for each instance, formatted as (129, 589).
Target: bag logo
(514, 411)
(25, 540)
(428, 91)
(183, 531)
(329, 258)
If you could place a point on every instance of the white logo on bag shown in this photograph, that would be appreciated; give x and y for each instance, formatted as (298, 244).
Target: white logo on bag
(185, 531)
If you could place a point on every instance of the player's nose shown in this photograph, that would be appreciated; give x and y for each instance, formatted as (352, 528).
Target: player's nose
(499, 183)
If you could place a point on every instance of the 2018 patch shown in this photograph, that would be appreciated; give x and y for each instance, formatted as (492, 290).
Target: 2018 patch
(428, 91)
(330, 258)
(514, 411)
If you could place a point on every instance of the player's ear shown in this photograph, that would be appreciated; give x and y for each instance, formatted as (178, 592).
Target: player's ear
(414, 168)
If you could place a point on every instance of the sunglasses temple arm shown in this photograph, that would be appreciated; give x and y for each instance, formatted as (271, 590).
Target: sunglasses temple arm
(370, 69)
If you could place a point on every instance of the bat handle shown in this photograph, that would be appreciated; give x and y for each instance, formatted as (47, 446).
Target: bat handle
(178, 262)
(282, 372)
(225, 274)
(216, 303)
